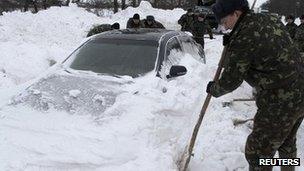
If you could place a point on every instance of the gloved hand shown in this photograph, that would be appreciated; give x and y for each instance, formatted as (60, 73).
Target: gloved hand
(211, 37)
(209, 86)
(226, 39)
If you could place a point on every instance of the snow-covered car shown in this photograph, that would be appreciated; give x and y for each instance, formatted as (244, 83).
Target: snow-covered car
(90, 79)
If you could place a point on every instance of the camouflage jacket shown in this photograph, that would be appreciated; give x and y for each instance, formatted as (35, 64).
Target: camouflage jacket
(155, 24)
(292, 29)
(261, 52)
(185, 21)
(99, 29)
(199, 29)
(299, 38)
(131, 24)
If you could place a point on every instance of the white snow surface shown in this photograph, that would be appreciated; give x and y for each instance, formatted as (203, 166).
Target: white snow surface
(146, 130)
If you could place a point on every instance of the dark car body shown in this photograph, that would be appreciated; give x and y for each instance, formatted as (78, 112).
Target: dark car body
(87, 90)
(164, 40)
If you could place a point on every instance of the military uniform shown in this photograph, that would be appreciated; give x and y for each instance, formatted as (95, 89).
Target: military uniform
(155, 24)
(261, 52)
(299, 37)
(99, 29)
(131, 24)
(198, 30)
(186, 21)
(292, 29)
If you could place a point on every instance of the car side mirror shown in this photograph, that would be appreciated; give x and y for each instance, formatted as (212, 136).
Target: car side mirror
(176, 71)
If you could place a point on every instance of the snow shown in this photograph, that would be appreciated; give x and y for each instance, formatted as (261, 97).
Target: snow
(74, 93)
(147, 127)
(258, 2)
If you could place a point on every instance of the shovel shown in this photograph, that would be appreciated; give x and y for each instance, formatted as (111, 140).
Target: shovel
(230, 103)
(183, 162)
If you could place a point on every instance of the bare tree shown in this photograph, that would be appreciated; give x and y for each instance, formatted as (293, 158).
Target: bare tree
(28, 2)
(115, 6)
(123, 4)
(179, 3)
(156, 3)
(133, 3)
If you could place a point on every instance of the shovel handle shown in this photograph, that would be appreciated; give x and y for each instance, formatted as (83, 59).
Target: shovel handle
(202, 113)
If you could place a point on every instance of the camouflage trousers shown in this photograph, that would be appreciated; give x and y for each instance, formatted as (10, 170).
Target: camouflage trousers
(200, 41)
(279, 115)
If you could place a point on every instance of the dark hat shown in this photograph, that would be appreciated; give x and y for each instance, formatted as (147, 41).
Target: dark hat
(150, 18)
(302, 17)
(222, 8)
(115, 26)
(290, 17)
(136, 16)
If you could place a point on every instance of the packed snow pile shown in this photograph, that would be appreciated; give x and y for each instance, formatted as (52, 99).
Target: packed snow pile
(145, 128)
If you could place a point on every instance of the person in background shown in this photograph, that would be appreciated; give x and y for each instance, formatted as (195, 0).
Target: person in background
(299, 37)
(198, 29)
(186, 20)
(102, 28)
(135, 22)
(150, 22)
(291, 26)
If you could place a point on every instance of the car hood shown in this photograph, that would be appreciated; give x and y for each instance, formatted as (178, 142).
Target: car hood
(74, 93)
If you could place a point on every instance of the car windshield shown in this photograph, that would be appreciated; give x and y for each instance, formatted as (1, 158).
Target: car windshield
(116, 57)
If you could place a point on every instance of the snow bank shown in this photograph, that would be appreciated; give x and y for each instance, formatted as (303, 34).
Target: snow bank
(35, 40)
(145, 130)
(167, 17)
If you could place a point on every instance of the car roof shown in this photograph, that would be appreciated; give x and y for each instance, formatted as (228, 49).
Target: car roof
(137, 34)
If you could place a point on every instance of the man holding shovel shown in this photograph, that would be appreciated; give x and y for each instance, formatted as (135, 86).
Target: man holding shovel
(261, 52)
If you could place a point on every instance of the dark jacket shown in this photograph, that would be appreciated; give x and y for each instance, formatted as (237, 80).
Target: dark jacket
(131, 24)
(261, 52)
(200, 28)
(299, 37)
(292, 29)
(155, 24)
(186, 21)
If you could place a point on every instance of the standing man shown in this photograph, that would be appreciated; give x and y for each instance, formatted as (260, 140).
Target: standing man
(198, 29)
(261, 52)
(150, 22)
(299, 37)
(186, 20)
(291, 26)
(134, 22)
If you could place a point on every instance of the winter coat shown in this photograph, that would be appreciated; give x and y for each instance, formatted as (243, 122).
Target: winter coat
(131, 24)
(292, 29)
(199, 28)
(186, 21)
(155, 24)
(261, 52)
(299, 37)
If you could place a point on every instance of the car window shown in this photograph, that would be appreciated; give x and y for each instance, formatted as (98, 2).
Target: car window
(117, 57)
(191, 47)
(173, 55)
(172, 45)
